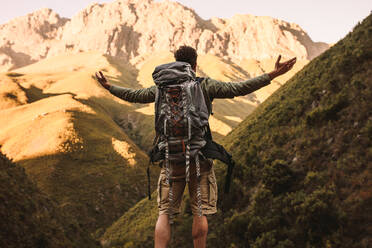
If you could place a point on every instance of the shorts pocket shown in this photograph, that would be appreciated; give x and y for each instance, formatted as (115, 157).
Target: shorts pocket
(212, 189)
(163, 189)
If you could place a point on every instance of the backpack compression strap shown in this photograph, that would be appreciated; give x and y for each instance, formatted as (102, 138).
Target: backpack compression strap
(216, 151)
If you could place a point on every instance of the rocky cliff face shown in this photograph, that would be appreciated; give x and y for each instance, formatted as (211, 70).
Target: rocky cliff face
(27, 39)
(130, 30)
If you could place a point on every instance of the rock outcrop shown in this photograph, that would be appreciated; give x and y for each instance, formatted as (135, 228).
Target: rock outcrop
(130, 30)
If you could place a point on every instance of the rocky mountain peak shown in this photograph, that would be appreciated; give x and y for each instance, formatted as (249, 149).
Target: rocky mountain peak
(130, 30)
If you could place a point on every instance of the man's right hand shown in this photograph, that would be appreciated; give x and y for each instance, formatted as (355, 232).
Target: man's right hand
(102, 80)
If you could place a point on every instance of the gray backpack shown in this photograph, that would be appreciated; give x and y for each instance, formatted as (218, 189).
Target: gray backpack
(181, 118)
(181, 124)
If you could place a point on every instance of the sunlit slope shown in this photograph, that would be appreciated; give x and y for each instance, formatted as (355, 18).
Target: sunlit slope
(29, 218)
(73, 73)
(303, 173)
(70, 135)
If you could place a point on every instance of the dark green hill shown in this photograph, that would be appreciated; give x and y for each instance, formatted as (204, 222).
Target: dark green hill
(303, 175)
(304, 157)
(29, 218)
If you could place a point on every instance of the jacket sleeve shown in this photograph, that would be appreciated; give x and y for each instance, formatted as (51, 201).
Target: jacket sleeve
(217, 89)
(146, 95)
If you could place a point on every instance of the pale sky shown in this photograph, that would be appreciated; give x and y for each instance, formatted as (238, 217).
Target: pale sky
(323, 20)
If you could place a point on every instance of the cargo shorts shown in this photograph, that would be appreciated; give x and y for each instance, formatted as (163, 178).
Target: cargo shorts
(208, 188)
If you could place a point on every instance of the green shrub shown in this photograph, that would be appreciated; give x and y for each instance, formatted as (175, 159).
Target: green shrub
(277, 177)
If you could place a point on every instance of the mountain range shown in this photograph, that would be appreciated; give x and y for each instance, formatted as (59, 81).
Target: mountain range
(131, 30)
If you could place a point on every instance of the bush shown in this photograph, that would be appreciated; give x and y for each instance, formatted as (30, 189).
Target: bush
(277, 177)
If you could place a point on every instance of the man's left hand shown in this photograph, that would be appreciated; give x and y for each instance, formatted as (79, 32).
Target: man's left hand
(281, 68)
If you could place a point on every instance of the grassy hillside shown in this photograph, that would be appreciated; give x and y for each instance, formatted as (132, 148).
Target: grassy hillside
(303, 175)
(29, 218)
(70, 135)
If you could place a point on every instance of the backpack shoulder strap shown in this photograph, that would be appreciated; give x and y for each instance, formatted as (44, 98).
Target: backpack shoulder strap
(199, 79)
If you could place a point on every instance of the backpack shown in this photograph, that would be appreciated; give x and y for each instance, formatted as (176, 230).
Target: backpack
(181, 124)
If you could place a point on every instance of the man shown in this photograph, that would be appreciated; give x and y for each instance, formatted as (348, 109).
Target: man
(211, 89)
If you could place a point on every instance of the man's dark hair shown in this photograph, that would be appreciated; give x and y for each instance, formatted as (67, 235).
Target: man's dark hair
(186, 54)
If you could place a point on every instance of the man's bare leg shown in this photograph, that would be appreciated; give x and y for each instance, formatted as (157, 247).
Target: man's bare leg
(162, 231)
(200, 231)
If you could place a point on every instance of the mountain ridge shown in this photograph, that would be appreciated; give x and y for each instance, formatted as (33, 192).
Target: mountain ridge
(125, 30)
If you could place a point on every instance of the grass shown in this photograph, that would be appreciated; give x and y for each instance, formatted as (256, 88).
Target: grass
(30, 218)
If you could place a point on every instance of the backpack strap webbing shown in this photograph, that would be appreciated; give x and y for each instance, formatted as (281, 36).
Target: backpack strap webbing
(198, 189)
(151, 161)
(216, 151)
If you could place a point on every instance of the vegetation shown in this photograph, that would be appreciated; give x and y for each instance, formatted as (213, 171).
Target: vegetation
(128, 232)
(303, 175)
(29, 218)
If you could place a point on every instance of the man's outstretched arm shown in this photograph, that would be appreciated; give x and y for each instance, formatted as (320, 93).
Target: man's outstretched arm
(218, 89)
(146, 95)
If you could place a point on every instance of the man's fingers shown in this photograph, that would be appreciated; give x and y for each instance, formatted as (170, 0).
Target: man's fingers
(291, 64)
(101, 74)
(286, 67)
(97, 77)
(277, 61)
(293, 60)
